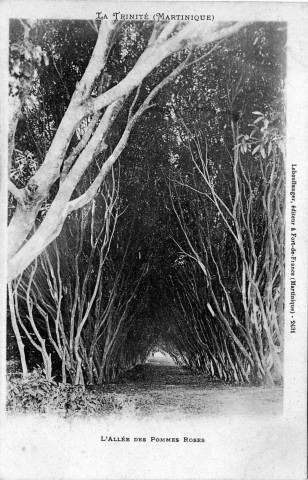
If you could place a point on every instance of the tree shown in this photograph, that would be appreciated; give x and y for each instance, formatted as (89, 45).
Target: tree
(230, 206)
(90, 116)
(78, 302)
(243, 284)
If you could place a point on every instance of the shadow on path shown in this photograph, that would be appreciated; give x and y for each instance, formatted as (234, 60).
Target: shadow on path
(160, 388)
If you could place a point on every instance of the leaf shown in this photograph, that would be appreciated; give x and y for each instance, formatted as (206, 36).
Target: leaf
(15, 46)
(27, 70)
(41, 392)
(29, 101)
(262, 151)
(46, 59)
(281, 145)
(257, 113)
(27, 54)
(14, 91)
(255, 149)
(16, 69)
(258, 120)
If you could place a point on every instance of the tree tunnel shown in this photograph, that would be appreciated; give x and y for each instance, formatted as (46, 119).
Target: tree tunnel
(182, 246)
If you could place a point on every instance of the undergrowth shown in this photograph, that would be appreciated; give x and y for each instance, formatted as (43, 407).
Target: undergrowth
(35, 394)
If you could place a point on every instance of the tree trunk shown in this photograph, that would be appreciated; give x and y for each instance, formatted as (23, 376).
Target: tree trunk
(20, 344)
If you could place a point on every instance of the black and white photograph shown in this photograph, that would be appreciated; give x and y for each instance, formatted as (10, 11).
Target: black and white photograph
(154, 204)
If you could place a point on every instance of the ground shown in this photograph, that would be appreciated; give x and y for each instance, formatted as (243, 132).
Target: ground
(162, 388)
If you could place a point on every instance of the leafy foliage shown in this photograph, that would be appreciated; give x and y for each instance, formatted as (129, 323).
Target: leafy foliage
(25, 58)
(24, 167)
(266, 134)
(35, 394)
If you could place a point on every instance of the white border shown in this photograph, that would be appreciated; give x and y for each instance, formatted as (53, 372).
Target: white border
(235, 448)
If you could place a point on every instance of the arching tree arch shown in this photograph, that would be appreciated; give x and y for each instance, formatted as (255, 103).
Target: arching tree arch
(76, 302)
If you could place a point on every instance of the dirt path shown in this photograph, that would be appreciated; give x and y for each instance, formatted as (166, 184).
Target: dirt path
(162, 388)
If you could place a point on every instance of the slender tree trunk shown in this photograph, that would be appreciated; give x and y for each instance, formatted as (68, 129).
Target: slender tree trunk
(20, 343)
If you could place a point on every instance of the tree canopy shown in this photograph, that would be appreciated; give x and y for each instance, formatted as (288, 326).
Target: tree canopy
(147, 194)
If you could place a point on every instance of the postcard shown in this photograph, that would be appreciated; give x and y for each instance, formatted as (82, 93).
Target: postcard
(154, 240)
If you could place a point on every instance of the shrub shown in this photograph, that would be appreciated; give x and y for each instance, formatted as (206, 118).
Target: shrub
(35, 394)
